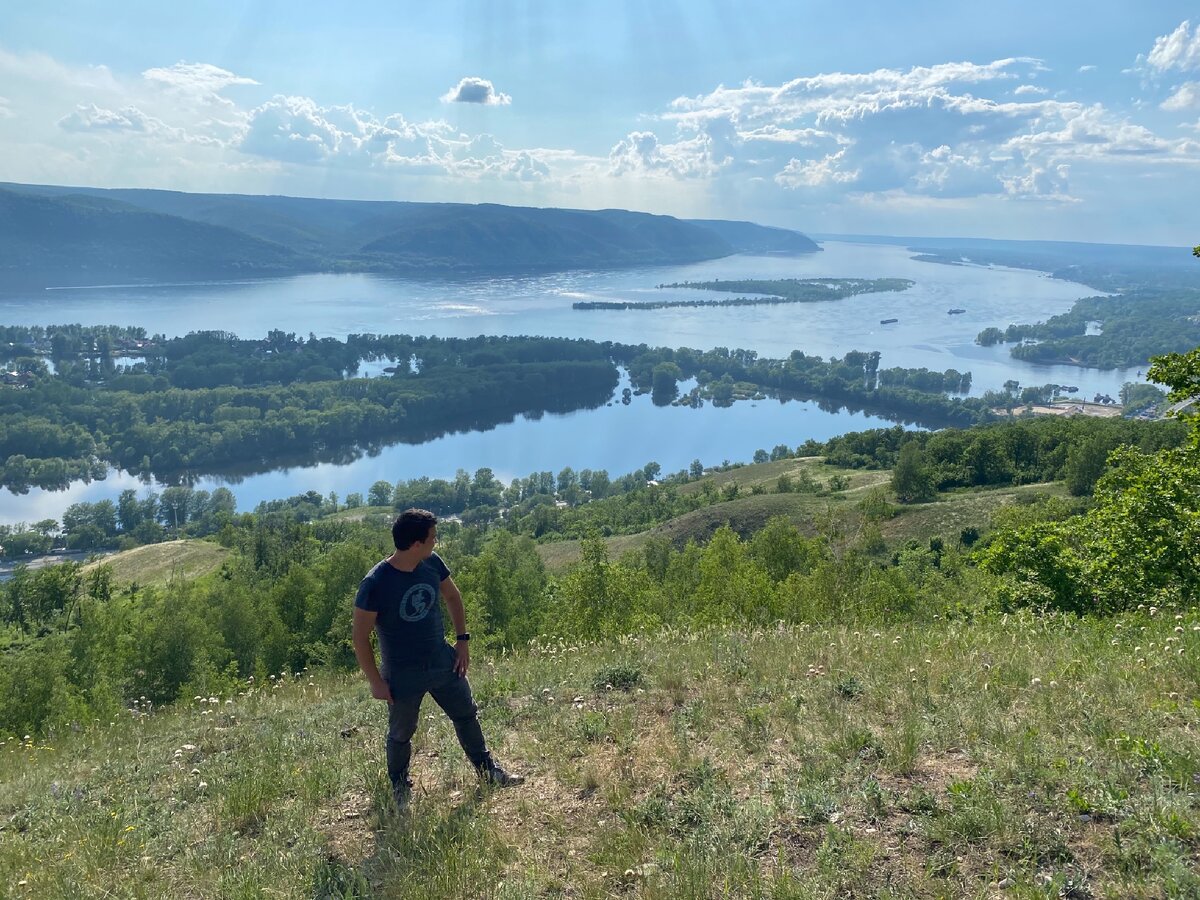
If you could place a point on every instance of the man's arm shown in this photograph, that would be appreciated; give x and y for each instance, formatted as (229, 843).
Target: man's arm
(458, 615)
(364, 624)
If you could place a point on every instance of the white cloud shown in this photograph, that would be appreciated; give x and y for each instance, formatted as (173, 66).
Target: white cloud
(195, 78)
(1186, 96)
(931, 131)
(641, 153)
(5, 109)
(1041, 183)
(1093, 133)
(944, 173)
(296, 130)
(1179, 50)
(90, 117)
(476, 90)
(291, 129)
(828, 170)
(1087, 69)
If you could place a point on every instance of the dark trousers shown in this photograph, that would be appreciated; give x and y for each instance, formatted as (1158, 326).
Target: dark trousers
(452, 692)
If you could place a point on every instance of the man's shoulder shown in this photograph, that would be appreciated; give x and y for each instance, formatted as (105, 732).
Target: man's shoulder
(437, 565)
(379, 570)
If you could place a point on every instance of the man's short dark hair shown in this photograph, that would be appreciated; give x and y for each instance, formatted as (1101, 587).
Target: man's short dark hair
(411, 527)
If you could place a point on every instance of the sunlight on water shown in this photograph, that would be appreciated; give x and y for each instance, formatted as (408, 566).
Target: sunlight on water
(616, 437)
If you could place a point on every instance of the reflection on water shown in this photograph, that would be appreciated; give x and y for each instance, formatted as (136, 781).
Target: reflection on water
(617, 438)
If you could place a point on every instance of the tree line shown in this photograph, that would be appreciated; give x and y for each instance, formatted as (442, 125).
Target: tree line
(210, 403)
(1132, 327)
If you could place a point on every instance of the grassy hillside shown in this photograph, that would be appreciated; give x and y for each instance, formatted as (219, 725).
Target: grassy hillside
(160, 563)
(748, 512)
(1016, 756)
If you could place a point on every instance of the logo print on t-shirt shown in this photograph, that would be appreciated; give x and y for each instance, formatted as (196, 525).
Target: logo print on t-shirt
(415, 604)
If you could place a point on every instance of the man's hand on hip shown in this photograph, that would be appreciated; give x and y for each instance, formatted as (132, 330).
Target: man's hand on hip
(381, 691)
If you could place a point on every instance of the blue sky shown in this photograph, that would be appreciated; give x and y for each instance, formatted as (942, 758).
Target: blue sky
(1051, 120)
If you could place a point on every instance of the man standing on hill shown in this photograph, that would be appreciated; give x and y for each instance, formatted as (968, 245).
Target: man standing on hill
(399, 600)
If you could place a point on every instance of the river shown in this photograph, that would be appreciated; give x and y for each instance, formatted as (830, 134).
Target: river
(616, 437)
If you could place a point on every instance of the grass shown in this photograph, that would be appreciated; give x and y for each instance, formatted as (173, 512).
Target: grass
(747, 513)
(160, 563)
(952, 512)
(1023, 756)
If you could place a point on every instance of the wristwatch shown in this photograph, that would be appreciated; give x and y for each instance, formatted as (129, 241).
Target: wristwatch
(465, 636)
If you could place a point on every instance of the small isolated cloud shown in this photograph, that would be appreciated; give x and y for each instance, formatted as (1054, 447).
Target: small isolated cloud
(5, 109)
(476, 90)
(1186, 96)
(1087, 68)
(1029, 89)
(1179, 50)
(202, 78)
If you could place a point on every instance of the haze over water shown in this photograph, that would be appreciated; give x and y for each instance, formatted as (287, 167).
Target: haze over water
(617, 438)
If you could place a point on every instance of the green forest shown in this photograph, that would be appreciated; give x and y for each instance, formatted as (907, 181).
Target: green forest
(210, 402)
(1120, 331)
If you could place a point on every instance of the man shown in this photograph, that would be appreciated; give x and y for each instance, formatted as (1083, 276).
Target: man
(399, 600)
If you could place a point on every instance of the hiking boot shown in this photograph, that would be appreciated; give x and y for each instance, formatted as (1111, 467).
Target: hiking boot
(493, 774)
(402, 793)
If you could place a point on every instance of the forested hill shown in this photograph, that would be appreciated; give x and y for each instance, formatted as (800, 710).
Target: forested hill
(78, 239)
(65, 235)
(747, 237)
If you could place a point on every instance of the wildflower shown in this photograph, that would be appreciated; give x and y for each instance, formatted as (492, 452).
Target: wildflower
(1179, 629)
(1035, 681)
(1154, 610)
(202, 786)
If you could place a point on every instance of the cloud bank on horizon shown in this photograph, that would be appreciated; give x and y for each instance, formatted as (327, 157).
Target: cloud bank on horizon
(1008, 147)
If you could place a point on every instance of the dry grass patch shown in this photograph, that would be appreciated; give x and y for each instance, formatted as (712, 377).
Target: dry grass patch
(161, 563)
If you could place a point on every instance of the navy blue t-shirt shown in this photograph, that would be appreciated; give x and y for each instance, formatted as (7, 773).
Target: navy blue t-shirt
(408, 608)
